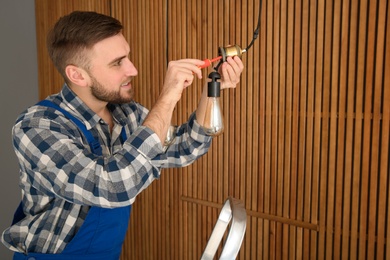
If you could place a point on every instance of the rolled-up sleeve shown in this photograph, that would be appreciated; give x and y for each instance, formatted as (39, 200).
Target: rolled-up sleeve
(190, 143)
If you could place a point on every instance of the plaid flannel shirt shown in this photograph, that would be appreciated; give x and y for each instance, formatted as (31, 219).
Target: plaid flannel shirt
(61, 179)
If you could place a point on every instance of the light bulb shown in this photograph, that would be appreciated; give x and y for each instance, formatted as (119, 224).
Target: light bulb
(213, 119)
(171, 135)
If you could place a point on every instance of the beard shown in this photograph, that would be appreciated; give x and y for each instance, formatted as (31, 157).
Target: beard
(114, 97)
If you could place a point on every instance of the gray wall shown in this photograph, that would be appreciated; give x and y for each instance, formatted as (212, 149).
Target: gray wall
(19, 87)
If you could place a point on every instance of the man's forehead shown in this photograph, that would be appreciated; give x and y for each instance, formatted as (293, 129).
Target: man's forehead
(111, 48)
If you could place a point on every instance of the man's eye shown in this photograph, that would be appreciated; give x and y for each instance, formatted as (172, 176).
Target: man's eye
(118, 63)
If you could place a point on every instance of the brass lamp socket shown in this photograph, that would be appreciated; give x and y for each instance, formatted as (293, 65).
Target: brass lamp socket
(230, 51)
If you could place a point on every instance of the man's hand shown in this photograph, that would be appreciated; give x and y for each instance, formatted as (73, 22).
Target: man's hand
(230, 72)
(180, 74)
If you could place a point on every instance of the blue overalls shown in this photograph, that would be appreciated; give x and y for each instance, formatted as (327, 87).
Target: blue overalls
(102, 234)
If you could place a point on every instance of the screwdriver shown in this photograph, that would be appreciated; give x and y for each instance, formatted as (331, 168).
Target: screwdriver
(207, 62)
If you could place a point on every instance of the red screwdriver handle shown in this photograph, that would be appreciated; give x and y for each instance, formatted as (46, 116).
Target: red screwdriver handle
(207, 62)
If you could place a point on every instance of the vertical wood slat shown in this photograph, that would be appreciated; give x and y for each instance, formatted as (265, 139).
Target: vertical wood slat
(358, 130)
(375, 223)
(367, 127)
(279, 130)
(334, 53)
(261, 240)
(267, 226)
(385, 168)
(311, 145)
(384, 220)
(306, 127)
(325, 236)
(348, 79)
(283, 155)
(299, 86)
(289, 182)
(307, 130)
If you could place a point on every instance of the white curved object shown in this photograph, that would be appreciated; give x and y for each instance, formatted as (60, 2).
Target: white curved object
(233, 210)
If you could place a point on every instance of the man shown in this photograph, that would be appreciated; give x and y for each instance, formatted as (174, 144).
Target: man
(77, 192)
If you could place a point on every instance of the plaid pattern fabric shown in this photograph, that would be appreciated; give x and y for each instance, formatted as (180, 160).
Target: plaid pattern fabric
(61, 178)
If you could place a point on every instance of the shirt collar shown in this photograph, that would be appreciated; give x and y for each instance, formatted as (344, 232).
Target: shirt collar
(78, 107)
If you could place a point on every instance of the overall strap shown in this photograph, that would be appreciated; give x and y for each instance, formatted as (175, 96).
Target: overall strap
(93, 143)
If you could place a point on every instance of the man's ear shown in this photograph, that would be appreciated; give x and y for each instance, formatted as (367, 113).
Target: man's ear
(77, 75)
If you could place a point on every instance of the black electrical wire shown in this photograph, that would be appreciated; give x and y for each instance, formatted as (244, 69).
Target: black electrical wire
(255, 35)
(256, 32)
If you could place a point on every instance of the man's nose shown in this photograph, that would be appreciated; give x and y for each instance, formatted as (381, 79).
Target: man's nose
(131, 69)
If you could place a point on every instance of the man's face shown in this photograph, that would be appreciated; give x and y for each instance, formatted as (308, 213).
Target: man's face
(111, 71)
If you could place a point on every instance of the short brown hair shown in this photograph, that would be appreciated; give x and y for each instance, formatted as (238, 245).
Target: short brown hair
(75, 33)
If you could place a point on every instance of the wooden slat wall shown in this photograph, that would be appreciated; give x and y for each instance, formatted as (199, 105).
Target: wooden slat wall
(306, 144)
